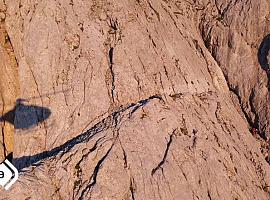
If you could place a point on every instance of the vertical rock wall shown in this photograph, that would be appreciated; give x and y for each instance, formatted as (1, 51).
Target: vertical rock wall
(9, 88)
(139, 104)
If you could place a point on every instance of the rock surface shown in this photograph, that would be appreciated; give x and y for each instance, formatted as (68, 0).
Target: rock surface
(140, 99)
(236, 34)
(9, 89)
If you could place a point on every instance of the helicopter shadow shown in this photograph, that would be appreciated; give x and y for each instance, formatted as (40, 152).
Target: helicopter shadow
(26, 116)
(263, 54)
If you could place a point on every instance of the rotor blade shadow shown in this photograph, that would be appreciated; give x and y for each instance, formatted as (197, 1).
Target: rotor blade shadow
(26, 116)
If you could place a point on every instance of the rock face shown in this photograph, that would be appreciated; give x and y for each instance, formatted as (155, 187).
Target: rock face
(236, 34)
(140, 99)
(9, 89)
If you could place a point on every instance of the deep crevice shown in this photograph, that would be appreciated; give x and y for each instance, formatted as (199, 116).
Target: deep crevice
(93, 178)
(111, 52)
(132, 188)
(206, 37)
(159, 166)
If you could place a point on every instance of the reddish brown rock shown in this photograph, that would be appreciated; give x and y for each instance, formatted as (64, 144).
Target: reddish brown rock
(138, 100)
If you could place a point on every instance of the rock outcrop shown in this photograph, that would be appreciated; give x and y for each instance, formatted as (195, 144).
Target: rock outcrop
(140, 99)
(236, 34)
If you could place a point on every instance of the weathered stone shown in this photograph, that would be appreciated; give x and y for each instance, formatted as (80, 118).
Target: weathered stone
(137, 99)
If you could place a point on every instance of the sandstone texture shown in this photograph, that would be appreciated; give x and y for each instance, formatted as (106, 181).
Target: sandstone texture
(120, 100)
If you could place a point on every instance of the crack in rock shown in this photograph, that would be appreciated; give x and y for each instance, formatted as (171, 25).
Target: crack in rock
(109, 122)
(160, 165)
(93, 178)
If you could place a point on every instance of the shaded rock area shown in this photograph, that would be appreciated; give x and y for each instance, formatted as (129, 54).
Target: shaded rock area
(141, 99)
(237, 35)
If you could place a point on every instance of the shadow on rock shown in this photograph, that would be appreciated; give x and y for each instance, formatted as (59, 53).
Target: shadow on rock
(26, 116)
(263, 53)
(106, 123)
